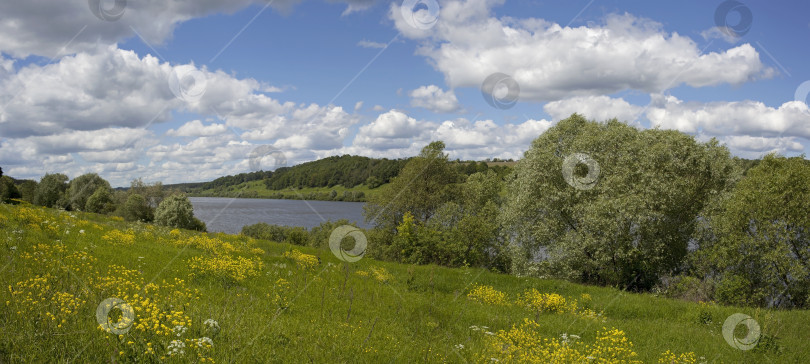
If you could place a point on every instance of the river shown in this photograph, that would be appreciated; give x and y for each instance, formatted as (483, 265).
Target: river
(229, 215)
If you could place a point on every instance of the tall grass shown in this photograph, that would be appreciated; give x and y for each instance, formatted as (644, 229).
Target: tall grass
(226, 298)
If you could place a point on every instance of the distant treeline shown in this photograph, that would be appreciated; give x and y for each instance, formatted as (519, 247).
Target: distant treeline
(346, 170)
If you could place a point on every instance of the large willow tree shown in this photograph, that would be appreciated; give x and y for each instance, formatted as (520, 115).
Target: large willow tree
(607, 203)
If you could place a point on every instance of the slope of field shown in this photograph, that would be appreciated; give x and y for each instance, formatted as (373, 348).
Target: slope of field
(225, 298)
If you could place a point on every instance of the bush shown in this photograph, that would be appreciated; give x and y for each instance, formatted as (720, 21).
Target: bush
(8, 190)
(100, 201)
(373, 182)
(176, 211)
(319, 235)
(295, 235)
(27, 190)
(137, 209)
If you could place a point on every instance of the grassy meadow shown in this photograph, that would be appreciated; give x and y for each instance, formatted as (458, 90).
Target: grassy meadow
(197, 297)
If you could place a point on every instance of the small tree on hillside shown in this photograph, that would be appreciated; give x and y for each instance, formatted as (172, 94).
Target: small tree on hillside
(137, 209)
(82, 187)
(153, 193)
(177, 211)
(51, 190)
(28, 190)
(100, 201)
(426, 182)
(8, 190)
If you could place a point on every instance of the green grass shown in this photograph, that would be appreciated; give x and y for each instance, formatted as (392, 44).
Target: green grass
(334, 314)
(257, 189)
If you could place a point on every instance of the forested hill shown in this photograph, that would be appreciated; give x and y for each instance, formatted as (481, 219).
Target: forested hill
(353, 176)
(347, 170)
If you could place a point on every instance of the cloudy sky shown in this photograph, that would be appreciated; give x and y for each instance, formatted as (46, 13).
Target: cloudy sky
(187, 90)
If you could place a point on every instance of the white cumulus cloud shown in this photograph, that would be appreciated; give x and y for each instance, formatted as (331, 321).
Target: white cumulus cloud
(435, 99)
(551, 62)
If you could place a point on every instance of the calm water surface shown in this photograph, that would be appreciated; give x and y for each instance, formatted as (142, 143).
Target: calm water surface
(230, 214)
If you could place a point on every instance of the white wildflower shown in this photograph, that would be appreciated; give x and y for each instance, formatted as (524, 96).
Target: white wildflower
(204, 342)
(179, 330)
(459, 346)
(177, 347)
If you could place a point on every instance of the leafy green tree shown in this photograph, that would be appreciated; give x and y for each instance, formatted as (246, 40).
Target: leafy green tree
(28, 190)
(153, 193)
(51, 190)
(8, 190)
(626, 226)
(426, 182)
(82, 187)
(177, 211)
(373, 182)
(101, 201)
(137, 209)
(755, 241)
(467, 227)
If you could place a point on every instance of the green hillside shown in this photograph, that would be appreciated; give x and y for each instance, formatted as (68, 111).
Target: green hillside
(352, 178)
(223, 298)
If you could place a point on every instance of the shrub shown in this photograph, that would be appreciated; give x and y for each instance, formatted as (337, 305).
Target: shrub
(488, 295)
(295, 235)
(176, 211)
(303, 261)
(100, 201)
(137, 209)
(8, 190)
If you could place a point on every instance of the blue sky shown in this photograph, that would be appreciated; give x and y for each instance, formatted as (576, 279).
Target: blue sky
(316, 78)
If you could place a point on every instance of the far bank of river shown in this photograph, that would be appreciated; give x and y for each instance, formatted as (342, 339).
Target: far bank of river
(229, 215)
